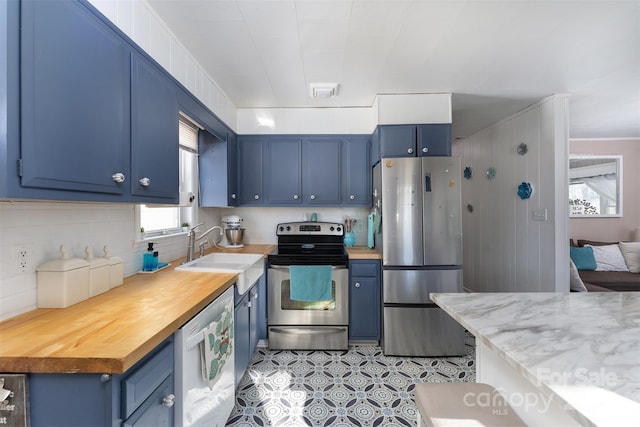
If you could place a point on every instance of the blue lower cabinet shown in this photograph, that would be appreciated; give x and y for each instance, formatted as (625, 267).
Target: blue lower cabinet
(364, 300)
(241, 334)
(250, 325)
(134, 398)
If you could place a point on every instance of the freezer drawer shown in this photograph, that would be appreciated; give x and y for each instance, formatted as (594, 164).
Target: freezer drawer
(414, 286)
(421, 331)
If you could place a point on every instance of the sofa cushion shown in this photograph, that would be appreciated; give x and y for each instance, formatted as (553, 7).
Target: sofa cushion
(594, 243)
(608, 258)
(575, 282)
(631, 254)
(594, 288)
(614, 280)
(583, 258)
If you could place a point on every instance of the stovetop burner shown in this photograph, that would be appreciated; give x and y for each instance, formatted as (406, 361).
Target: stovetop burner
(309, 243)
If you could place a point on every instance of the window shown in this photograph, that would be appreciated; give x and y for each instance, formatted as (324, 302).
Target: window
(157, 221)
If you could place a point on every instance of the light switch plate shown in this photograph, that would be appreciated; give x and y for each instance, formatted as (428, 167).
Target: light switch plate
(539, 214)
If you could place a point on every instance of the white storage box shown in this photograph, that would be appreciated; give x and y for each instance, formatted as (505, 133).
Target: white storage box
(116, 269)
(99, 280)
(63, 282)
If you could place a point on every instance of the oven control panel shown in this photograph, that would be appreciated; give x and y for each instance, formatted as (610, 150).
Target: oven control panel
(310, 228)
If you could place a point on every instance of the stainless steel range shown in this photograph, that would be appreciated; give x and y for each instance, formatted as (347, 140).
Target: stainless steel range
(308, 298)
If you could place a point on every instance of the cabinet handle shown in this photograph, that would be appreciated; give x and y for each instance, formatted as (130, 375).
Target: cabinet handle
(233, 196)
(410, 151)
(295, 197)
(105, 378)
(257, 196)
(118, 177)
(357, 285)
(145, 182)
(169, 401)
(249, 304)
(313, 197)
(425, 150)
(352, 197)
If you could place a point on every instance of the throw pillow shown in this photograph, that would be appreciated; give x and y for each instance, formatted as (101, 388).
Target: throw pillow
(583, 258)
(609, 258)
(575, 282)
(631, 254)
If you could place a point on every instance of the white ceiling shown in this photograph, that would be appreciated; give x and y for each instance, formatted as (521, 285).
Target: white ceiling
(495, 57)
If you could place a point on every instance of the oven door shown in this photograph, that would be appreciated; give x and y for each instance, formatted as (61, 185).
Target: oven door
(282, 310)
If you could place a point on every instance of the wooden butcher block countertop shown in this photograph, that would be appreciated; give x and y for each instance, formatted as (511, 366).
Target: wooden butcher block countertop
(110, 332)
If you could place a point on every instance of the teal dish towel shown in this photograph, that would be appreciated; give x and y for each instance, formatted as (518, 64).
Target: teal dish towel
(310, 282)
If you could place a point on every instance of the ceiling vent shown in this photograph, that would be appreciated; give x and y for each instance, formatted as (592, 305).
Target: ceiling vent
(324, 90)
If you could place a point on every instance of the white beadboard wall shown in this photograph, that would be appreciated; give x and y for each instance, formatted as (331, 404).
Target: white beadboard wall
(138, 21)
(41, 227)
(504, 249)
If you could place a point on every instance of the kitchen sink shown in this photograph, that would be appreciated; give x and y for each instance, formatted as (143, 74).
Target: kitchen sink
(249, 267)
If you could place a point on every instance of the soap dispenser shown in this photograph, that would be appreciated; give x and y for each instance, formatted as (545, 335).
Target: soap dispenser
(150, 259)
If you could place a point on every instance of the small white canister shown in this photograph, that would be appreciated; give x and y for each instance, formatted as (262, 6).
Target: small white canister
(116, 268)
(63, 282)
(98, 274)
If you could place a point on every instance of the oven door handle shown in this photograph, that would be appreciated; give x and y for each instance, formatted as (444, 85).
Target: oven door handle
(286, 267)
(309, 331)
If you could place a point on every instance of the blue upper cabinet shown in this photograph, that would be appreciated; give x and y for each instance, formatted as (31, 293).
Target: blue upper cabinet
(282, 172)
(75, 100)
(434, 140)
(321, 165)
(397, 141)
(303, 170)
(356, 172)
(250, 171)
(154, 132)
(98, 118)
(415, 140)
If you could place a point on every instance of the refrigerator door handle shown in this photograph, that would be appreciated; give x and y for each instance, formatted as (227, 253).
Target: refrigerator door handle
(427, 183)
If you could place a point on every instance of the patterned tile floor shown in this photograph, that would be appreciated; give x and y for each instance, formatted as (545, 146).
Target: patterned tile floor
(359, 387)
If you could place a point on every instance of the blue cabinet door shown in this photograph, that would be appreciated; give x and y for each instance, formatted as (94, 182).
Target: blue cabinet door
(356, 172)
(397, 140)
(364, 300)
(434, 139)
(216, 170)
(282, 172)
(321, 171)
(241, 324)
(254, 311)
(261, 312)
(154, 133)
(232, 170)
(75, 108)
(250, 171)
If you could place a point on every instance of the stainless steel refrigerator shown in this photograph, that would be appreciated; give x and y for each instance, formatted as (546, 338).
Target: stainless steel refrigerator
(421, 243)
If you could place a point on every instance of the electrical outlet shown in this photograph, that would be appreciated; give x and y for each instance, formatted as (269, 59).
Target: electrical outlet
(23, 262)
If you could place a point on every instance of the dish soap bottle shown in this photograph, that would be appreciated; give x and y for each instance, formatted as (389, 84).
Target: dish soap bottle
(150, 259)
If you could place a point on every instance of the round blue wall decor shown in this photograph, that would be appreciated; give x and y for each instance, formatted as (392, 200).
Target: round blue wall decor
(525, 190)
(468, 172)
(491, 173)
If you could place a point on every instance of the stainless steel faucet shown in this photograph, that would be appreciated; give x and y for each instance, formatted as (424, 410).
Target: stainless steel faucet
(191, 243)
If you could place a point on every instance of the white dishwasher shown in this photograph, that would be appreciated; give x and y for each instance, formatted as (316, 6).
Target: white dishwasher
(201, 402)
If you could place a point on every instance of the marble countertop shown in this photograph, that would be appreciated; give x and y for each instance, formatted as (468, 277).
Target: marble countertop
(583, 348)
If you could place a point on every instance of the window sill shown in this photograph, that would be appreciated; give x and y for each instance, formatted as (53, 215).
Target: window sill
(154, 237)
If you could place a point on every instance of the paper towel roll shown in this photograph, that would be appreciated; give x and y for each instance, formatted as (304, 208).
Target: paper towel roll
(187, 198)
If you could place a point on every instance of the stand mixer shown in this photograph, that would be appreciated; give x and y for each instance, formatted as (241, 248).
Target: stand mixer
(233, 231)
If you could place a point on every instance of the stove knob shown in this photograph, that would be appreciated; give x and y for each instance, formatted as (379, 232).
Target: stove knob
(288, 228)
(338, 229)
(332, 228)
(281, 228)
